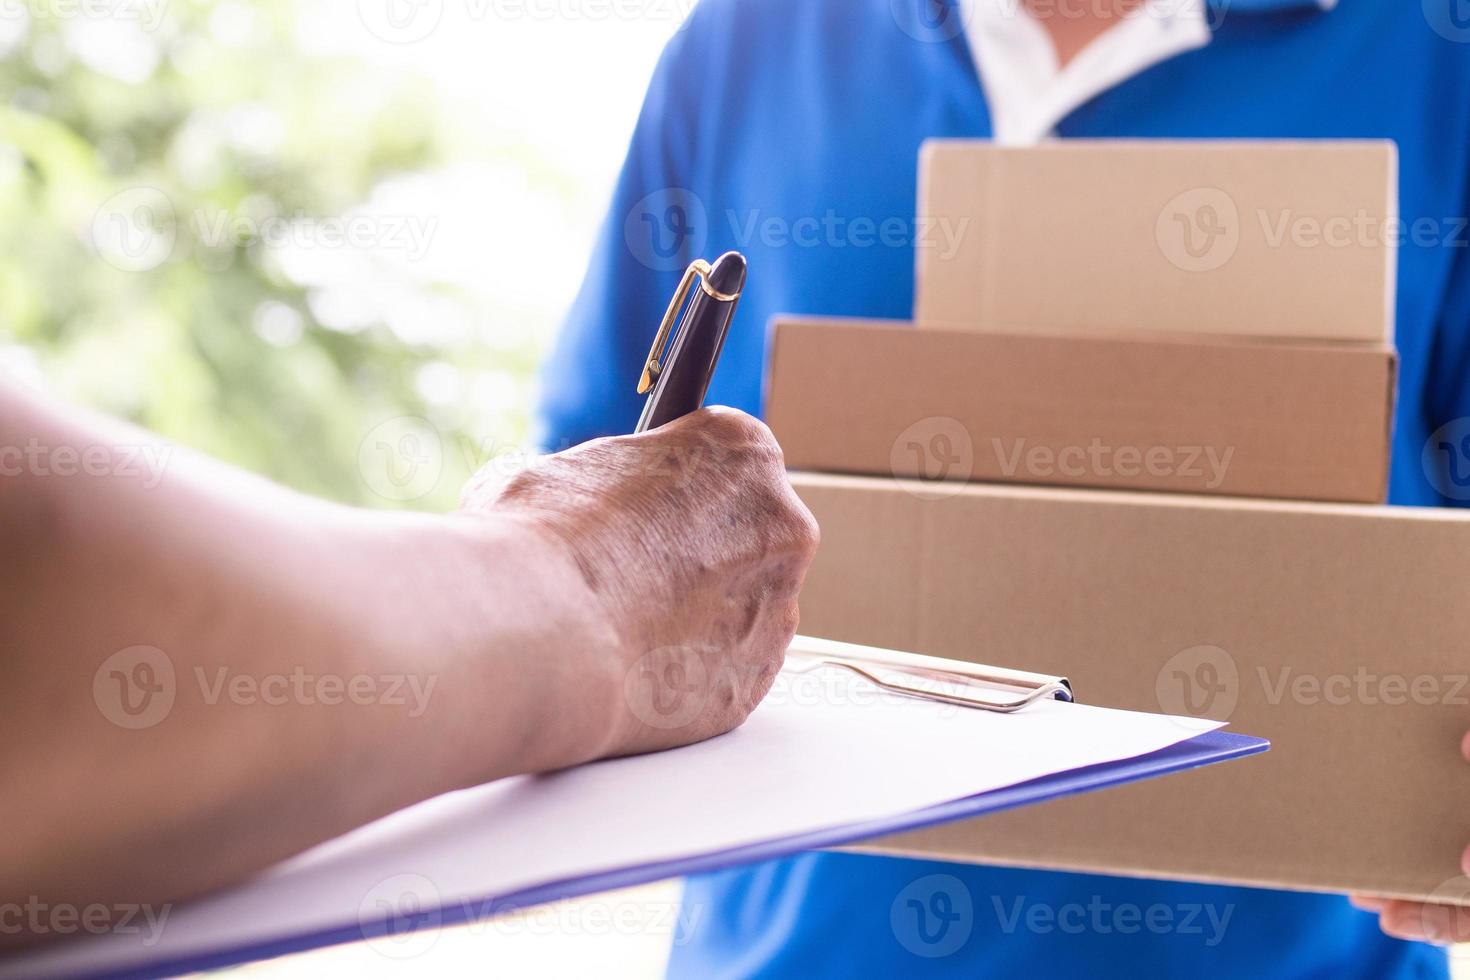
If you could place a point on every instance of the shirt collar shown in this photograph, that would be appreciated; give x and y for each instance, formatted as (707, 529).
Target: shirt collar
(1029, 94)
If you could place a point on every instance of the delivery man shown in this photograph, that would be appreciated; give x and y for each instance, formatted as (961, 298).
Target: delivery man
(791, 131)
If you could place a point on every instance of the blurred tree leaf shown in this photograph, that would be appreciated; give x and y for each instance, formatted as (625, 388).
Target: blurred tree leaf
(128, 276)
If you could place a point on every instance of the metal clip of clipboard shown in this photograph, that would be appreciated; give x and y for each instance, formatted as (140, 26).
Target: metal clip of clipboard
(930, 678)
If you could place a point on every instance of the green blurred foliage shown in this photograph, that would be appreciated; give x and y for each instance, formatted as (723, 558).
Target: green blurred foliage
(216, 346)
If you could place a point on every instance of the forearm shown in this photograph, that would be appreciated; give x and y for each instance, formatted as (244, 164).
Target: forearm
(326, 666)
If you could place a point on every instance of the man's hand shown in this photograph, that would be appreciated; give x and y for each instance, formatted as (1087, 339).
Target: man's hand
(1424, 921)
(691, 547)
(314, 666)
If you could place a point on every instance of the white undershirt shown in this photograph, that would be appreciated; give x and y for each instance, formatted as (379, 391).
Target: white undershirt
(1029, 93)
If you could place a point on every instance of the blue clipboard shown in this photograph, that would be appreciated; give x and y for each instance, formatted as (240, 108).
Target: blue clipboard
(1202, 750)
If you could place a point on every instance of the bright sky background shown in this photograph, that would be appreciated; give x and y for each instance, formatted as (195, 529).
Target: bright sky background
(564, 76)
(542, 95)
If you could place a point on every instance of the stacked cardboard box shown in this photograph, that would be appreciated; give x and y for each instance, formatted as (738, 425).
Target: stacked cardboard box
(1211, 322)
(1298, 420)
(1205, 317)
(1235, 239)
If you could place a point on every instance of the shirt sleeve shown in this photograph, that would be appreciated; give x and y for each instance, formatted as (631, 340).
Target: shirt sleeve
(1447, 391)
(653, 227)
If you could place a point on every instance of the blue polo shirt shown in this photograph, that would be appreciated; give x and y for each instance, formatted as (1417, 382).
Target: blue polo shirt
(790, 130)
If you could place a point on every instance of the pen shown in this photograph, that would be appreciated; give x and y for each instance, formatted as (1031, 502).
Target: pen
(676, 379)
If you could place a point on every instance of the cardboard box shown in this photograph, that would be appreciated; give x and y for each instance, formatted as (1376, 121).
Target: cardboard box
(1296, 420)
(1272, 239)
(1340, 633)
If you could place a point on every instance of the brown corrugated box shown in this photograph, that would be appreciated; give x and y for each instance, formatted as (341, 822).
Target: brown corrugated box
(1296, 420)
(1272, 239)
(1338, 632)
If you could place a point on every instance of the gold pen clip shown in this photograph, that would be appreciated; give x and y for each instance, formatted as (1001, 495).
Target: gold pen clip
(698, 269)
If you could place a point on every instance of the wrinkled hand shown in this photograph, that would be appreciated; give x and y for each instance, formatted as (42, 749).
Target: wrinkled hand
(692, 547)
(1426, 921)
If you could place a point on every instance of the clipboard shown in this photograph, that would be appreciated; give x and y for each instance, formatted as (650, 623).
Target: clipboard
(333, 895)
(1203, 750)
